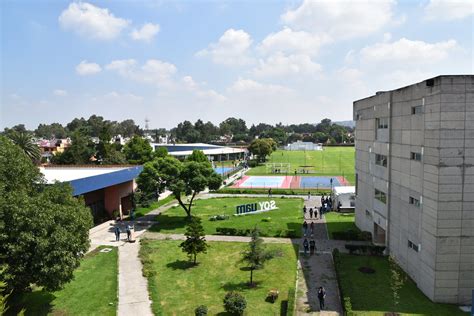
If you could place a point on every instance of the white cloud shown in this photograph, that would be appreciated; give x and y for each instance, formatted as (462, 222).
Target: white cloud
(60, 93)
(146, 32)
(231, 49)
(249, 85)
(408, 51)
(85, 68)
(449, 10)
(279, 65)
(123, 96)
(122, 66)
(340, 19)
(90, 21)
(201, 92)
(154, 71)
(291, 41)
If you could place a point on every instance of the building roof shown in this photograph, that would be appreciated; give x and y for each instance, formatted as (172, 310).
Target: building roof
(215, 151)
(344, 190)
(87, 179)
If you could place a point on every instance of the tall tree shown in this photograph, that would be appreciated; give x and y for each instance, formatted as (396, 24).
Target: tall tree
(26, 143)
(182, 178)
(44, 230)
(195, 241)
(256, 255)
(138, 151)
(80, 152)
(262, 148)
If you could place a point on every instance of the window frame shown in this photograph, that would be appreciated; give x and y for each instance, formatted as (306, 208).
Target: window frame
(414, 201)
(380, 195)
(417, 109)
(381, 160)
(415, 156)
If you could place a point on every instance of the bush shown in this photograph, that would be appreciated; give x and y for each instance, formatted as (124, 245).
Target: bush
(252, 163)
(267, 219)
(234, 303)
(218, 218)
(352, 234)
(363, 249)
(201, 310)
(291, 302)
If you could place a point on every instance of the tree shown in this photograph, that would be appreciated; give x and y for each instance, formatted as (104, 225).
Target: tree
(80, 152)
(198, 156)
(262, 148)
(26, 143)
(160, 152)
(195, 241)
(182, 178)
(234, 303)
(49, 131)
(256, 255)
(44, 230)
(138, 151)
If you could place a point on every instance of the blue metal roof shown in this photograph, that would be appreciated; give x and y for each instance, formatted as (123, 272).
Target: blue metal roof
(84, 185)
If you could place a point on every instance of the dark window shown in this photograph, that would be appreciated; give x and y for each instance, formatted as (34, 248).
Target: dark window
(416, 109)
(414, 201)
(415, 156)
(381, 196)
(381, 122)
(381, 160)
(413, 246)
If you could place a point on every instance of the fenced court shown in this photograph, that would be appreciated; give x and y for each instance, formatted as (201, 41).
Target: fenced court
(287, 182)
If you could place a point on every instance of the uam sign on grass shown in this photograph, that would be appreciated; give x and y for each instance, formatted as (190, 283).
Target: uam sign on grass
(257, 207)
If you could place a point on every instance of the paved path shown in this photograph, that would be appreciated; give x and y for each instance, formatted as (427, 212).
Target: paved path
(318, 269)
(133, 286)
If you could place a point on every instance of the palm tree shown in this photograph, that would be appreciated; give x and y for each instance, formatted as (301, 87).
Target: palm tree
(26, 143)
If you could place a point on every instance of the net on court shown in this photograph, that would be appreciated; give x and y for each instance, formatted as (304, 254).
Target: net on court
(278, 167)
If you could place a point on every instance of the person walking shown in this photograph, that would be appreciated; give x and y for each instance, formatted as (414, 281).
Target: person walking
(270, 192)
(129, 232)
(322, 199)
(311, 213)
(305, 227)
(312, 247)
(117, 233)
(321, 297)
(309, 195)
(311, 229)
(305, 246)
(304, 210)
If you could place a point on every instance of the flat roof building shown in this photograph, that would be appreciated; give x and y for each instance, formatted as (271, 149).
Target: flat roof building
(415, 181)
(213, 152)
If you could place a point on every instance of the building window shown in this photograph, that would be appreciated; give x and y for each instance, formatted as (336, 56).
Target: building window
(367, 213)
(357, 184)
(381, 196)
(415, 156)
(381, 122)
(381, 160)
(416, 109)
(413, 201)
(413, 246)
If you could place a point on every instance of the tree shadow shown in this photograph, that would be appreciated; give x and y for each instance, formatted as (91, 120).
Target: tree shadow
(181, 265)
(240, 286)
(32, 303)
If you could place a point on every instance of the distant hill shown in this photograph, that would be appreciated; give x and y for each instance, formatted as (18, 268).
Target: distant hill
(345, 123)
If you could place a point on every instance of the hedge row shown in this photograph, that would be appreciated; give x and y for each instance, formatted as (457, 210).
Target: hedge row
(352, 235)
(366, 249)
(302, 192)
(229, 231)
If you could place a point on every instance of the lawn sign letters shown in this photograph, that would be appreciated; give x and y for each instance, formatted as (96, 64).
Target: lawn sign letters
(254, 208)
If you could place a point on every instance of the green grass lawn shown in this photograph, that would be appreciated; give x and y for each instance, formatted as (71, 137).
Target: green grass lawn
(93, 291)
(288, 216)
(371, 294)
(142, 211)
(177, 288)
(332, 161)
(340, 222)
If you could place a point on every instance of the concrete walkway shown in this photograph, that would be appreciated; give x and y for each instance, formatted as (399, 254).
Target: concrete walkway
(133, 286)
(318, 269)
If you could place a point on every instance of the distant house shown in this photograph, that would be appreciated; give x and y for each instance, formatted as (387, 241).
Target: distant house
(299, 145)
(51, 147)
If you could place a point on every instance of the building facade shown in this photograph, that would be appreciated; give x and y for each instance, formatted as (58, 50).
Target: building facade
(415, 181)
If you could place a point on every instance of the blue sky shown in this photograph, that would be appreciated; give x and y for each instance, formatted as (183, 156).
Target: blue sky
(263, 61)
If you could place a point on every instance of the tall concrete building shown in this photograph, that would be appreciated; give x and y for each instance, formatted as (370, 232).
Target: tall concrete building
(415, 181)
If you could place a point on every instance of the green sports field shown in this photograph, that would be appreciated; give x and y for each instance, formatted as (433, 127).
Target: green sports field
(332, 161)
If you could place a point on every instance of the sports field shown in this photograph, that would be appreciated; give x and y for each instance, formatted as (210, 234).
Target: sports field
(332, 161)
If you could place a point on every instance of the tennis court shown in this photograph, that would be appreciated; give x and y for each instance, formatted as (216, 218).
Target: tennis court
(286, 182)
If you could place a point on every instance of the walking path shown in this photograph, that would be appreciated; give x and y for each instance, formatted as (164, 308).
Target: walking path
(318, 269)
(133, 286)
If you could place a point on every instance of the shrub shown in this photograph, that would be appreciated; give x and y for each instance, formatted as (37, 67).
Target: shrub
(201, 310)
(218, 218)
(291, 302)
(363, 249)
(234, 303)
(267, 219)
(252, 163)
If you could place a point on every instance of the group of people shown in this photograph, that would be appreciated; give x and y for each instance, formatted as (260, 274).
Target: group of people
(128, 229)
(308, 229)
